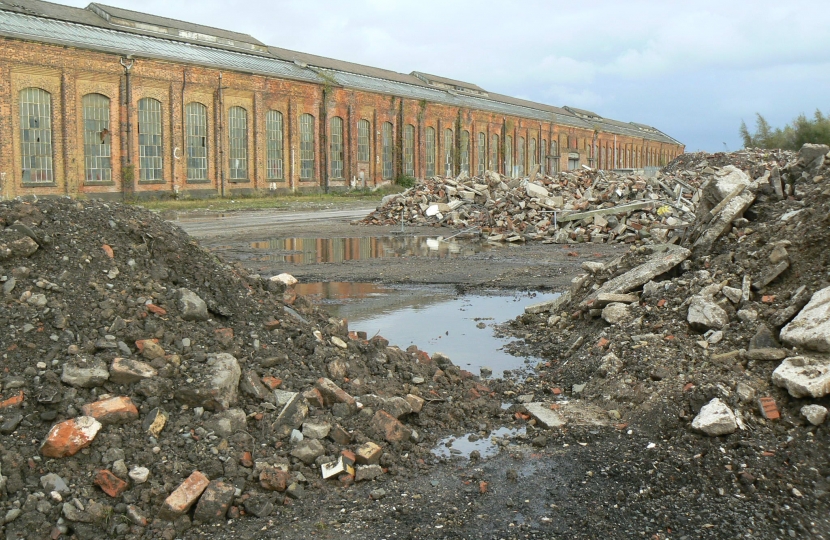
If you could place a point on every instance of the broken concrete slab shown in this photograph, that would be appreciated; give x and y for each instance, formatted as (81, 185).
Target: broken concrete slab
(639, 276)
(770, 275)
(191, 306)
(811, 327)
(544, 415)
(620, 209)
(212, 385)
(616, 313)
(548, 305)
(715, 419)
(803, 376)
(721, 222)
(705, 313)
(604, 299)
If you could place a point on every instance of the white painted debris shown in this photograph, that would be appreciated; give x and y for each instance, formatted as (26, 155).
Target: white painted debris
(715, 418)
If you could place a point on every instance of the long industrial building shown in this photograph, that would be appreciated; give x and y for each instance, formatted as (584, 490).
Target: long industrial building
(107, 102)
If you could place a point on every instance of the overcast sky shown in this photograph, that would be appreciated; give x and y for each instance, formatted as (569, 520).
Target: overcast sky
(693, 69)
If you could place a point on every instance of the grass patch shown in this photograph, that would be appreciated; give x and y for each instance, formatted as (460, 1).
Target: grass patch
(263, 202)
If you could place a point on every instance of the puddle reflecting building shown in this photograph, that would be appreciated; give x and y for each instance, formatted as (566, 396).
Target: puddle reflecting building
(108, 102)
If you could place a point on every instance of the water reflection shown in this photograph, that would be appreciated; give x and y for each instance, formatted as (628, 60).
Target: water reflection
(335, 250)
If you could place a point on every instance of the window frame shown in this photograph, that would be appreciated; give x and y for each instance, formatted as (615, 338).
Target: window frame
(98, 141)
(336, 158)
(151, 165)
(387, 150)
(196, 141)
(32, 149)
(274, 142)
(429, 148)
(494, 152)
(449, 152)
(364, 146)
(238, 144)
(409, 150)
(508, 155)
(465, 151)
(307, 153)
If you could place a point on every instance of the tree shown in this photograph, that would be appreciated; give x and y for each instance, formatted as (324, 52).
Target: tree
(801, 131)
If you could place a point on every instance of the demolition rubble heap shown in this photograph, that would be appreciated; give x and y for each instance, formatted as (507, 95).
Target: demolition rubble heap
(584, 205)
(147, 385)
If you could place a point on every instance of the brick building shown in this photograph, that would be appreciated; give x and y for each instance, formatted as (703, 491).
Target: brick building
(108, 102)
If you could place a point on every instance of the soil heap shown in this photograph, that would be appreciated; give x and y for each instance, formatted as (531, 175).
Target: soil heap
(147, 385)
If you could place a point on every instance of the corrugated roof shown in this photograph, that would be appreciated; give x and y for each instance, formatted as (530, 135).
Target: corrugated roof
(118, 42)
(155, 20)
(444, 80)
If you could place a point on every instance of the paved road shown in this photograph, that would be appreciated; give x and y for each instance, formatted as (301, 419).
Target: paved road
(233, 223)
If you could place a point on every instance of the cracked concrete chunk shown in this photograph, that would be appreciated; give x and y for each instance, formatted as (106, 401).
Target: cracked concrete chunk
(616, 313)
(191, 305)
(715, 418)
(811, 327)
(705, 313)
(803, 376)
(212, 385)
(544, 415)
(85, 372)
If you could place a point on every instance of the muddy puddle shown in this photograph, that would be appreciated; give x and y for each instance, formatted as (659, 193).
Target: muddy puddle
(435, 318)
(487, 445)
(336, 250)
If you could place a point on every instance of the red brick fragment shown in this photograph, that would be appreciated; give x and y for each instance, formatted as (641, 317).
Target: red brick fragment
(184, 496)
(271, 382)
(70, 437)
(272, 324)
(224, 335)
(603, 342)
(13, 401)
(662, 302)
(768, 298)
(108, 250)
(246, 460)
(390, 427)
(769, 409)
(117, 410)
(109, 483)
(158, 310)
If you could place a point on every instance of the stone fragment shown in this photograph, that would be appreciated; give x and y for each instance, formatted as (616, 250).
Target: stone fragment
(605, 298)
(548, 305)
(291, 416)
(616, 313)
(226, 423)
(803, 376)
(109, 483)
(722, 221)
(339, 343)
(396, 406)
(85, 372)
(308, 450)
(155, 421)
(184, 496)
(252, 385)
(704, 313)
(139, 475)
(416, 403)
(536, 191)
(70, 437)
(770, 275)
(52, 482)
(274, 479)
(213, 384)
(117, 410)
(332, 393)
(811, 327)
(367, 472)
(389, 427)
(150, 349)
(815, 414)
(191, 306)
(286, 279)
(544, 415)
(733, 294)
(314, 430)
(715, 419)
(259, 506)
(128, 371)
(340, 435)
(810, 152)
(368, 453)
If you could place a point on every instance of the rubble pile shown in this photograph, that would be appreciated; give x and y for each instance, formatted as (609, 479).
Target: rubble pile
(584, 205)
(147, 385)
(726, 333)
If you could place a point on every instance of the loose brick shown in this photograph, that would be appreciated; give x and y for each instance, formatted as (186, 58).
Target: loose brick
(271, 382)
(391, 429)
(333, 394)
(224, 335)
(314, 398)
(70, 437)
(108, 250)
(274, 479)
(117, 410)
(157, 310)
(769, 409)
(215, 502)
(184, 496)
(273, 324)
(13, 401)
(109, 483)
(150, 349)
(368, 453)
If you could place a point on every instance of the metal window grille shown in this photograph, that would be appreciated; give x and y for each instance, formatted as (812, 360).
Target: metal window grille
(508, 155)
(36, 135)
(97, 145)
(274, 142)
(494, 153)
(238, 143)
(465, 152)
(481, 153)
(363, 140)
(196, 144)
(386, 136)
(520, 157)
(306, 147)
(409, 150)
(429, 143)
(150, 163)
(449, 152)
(336, 143)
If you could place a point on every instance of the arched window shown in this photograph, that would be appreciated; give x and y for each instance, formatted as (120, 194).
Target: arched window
(409, 150)
(508, 155)
(520, 157)
(465, 151)
(336, 144)
(196, 143)
(363, 140)
(386, 147)
(97, 139)
(274, 142)
(531, 155)
(150, 163)
(238, 143)
(449, 153)
(306, 147)
(36, 135)
(429, 145)
(543, 161)
(494, 152)
(482, 153)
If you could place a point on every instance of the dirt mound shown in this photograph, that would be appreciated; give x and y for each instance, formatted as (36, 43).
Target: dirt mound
(133, 357)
